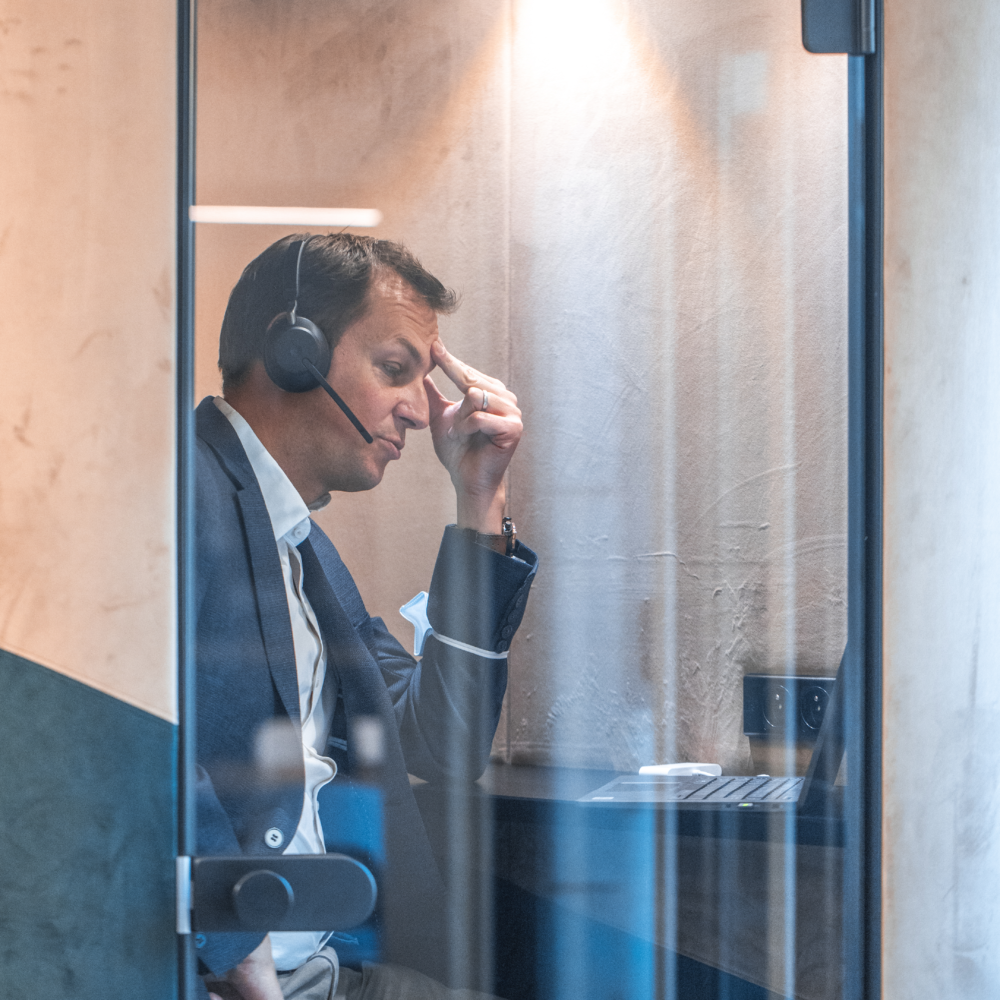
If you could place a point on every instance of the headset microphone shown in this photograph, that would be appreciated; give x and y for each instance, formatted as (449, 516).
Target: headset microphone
(295, 351)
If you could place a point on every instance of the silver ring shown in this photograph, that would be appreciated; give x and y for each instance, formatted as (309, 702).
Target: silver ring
(486, 400)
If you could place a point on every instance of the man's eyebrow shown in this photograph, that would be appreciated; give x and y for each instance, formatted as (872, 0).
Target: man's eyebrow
(413, 352)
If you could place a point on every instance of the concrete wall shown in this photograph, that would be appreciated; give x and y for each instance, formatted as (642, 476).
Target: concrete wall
(87, 585)
(87, 109)
(644, 208)
(942, 501)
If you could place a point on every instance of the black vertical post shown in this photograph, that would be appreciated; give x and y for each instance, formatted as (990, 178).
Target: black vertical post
(185, 465)
(874, 367)
(862, 868)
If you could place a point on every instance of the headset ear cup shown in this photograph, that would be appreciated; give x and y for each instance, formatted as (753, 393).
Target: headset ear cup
(287, 345)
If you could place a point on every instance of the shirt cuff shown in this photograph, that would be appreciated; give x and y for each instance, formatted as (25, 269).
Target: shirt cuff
(415, 611)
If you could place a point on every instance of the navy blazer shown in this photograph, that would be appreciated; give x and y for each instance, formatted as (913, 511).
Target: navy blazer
(440, 713)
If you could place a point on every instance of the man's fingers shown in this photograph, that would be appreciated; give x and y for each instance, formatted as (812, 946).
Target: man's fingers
(487, 406)
(459, 372)
(501, 430)
(462, 375)
(437, 401)
(503, 404)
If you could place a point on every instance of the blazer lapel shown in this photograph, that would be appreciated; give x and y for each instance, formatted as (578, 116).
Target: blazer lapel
(272, 602)
(265, 565)
(361, 682)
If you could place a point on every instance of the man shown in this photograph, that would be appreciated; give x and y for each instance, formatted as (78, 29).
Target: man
(287, 656)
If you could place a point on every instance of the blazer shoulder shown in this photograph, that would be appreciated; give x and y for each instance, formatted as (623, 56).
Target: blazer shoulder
(211, 478)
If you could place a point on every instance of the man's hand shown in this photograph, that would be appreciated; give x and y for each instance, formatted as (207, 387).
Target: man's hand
(255, 978)
(474, 444)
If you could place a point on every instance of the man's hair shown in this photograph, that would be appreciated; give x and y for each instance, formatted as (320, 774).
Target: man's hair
(336, 274)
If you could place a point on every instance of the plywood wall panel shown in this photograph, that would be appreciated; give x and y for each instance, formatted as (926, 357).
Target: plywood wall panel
(88, 112)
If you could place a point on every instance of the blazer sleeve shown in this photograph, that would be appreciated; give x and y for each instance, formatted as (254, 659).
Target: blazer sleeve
(218, 953)
(448, 704)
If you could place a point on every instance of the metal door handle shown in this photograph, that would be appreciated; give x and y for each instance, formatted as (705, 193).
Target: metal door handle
(301, 892)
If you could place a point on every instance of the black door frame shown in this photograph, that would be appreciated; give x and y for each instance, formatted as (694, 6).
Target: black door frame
(186, 831)
(863, 855)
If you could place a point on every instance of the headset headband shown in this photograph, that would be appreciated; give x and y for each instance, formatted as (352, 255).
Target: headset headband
(292, 283)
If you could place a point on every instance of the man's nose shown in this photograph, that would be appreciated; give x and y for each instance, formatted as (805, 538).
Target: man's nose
(413, 409)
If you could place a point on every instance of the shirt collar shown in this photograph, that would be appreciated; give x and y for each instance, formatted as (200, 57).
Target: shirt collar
(287, 510)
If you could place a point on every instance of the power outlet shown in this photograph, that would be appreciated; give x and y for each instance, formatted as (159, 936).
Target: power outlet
(790, 709)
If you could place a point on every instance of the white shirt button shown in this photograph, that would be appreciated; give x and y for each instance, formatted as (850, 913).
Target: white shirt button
(274, 837)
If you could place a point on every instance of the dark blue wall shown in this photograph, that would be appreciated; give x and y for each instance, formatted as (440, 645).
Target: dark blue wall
(87, 834)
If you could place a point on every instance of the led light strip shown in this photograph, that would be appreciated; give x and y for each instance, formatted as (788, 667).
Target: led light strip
(261, 215)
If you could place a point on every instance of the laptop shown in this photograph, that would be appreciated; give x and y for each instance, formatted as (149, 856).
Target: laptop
(811, 795)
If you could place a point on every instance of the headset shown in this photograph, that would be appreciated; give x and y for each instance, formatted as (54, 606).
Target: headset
(295, 351)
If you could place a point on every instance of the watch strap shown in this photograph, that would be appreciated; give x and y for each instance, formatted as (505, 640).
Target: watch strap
(503, 542)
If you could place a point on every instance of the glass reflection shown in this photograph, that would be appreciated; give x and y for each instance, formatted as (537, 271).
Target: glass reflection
(643, 207)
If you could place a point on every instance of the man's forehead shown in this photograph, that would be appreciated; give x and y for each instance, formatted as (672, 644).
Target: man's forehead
(401, 312)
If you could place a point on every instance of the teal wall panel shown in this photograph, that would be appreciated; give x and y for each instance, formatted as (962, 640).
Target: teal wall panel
(87, 835)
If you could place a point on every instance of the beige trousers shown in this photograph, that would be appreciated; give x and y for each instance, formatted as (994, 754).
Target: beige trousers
(318, 979)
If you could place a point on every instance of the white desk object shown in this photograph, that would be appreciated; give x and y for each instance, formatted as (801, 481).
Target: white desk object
(680, 770)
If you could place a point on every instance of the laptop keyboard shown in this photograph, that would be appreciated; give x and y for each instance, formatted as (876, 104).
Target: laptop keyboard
(733, 790)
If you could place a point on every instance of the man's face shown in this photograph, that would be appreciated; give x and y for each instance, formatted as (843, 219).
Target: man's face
(378, 369)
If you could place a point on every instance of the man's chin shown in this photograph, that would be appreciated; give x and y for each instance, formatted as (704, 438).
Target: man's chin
(365, 478)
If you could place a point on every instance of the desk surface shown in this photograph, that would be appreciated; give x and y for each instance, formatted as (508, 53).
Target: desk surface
(551, 793)
(728, 872)
(551, 784)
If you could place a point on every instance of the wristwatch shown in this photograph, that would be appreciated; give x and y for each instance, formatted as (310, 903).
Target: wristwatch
(509, 533)
(502, 543)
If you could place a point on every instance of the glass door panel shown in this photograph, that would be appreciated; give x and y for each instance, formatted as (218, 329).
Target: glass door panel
(643, 207)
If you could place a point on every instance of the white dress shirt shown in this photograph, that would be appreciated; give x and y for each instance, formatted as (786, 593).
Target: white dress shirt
(291, 524)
